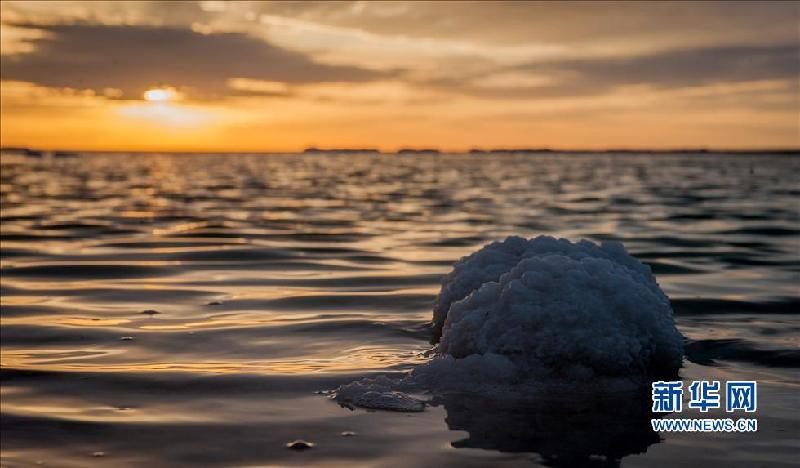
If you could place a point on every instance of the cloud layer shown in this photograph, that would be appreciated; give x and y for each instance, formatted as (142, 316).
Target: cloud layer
(662, 70)
(394, 74)
(134, 58)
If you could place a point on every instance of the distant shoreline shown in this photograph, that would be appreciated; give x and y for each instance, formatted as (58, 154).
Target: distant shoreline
(34, 152)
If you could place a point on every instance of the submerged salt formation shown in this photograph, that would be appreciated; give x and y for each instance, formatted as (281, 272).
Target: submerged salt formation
(381, 393)
(520, 316)
(563, 433)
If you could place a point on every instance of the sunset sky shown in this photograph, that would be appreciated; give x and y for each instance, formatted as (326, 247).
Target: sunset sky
(280, 76)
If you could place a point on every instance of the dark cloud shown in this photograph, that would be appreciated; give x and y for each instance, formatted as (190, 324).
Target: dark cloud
(688, 67)
(663, 70)
(133, 58)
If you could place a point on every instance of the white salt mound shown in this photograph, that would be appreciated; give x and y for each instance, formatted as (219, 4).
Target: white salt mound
(525, 315)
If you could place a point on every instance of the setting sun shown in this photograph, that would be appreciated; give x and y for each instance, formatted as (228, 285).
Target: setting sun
(159, 95)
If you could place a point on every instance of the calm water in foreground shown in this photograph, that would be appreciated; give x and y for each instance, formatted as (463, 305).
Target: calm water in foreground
(278, 276)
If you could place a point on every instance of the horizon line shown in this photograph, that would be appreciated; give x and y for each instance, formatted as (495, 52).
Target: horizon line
(417, 150)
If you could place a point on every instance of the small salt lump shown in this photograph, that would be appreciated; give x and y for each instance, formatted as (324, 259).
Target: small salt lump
(548, 308)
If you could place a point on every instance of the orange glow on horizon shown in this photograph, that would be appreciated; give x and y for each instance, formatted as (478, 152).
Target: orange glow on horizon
(254, 77)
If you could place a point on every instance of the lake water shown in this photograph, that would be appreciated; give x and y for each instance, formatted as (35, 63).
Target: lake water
(277, 276)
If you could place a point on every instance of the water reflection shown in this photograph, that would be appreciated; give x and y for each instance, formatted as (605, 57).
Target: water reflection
(273, 270)
(565, 432)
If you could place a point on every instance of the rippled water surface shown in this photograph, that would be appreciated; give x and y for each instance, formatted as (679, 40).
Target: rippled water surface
(182, 310)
